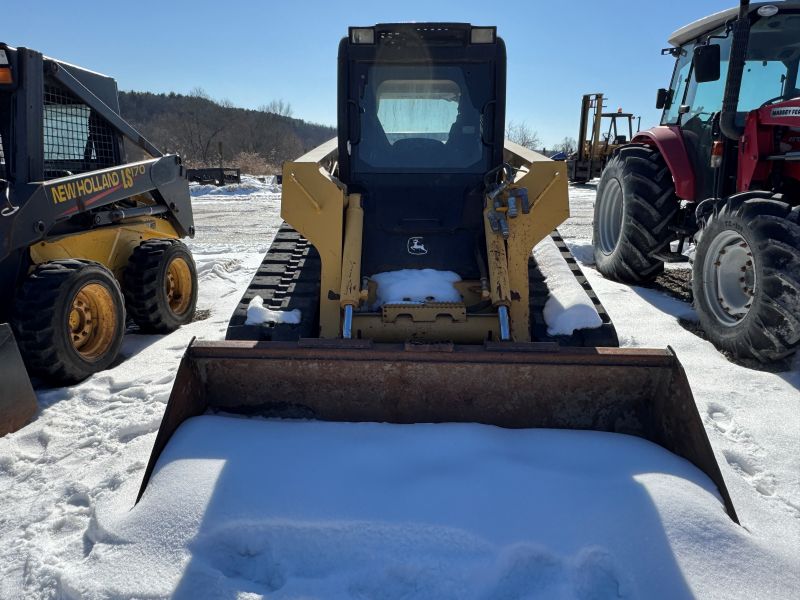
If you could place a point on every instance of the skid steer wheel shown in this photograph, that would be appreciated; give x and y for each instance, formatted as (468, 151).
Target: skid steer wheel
(635, 204)
(160, 285)
(69, 319)
(746, 276)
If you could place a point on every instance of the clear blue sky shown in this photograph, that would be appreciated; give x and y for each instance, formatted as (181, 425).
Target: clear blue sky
(253, 52)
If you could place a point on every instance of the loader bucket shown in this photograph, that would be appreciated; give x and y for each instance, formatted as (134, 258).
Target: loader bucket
(634, 391)
(17, 398)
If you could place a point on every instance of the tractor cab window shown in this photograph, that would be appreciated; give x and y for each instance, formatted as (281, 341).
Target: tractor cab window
(762, 80)
(678, 86)
(770, 69)
(705, 99)
(416, 119)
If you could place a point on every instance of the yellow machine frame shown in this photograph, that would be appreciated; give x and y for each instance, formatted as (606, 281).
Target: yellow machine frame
(110, 246)
(319, 207)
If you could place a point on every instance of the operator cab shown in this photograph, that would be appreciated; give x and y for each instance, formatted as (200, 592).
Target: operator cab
(421, 121)
(694, 101)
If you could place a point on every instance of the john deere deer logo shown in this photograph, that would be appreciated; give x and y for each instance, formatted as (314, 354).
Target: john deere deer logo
(415, 246)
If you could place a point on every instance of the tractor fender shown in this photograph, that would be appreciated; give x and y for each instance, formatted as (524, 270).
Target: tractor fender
(669, 142)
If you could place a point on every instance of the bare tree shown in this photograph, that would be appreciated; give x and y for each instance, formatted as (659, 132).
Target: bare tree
(277, 107)
(199, 92)
(568, 145)
(523, 135)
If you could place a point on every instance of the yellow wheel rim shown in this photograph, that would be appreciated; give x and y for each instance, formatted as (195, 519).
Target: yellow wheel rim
(92, 321)
(178, 286)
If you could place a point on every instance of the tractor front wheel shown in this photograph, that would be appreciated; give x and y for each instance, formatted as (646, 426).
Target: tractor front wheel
(746, 276)
(635, 205)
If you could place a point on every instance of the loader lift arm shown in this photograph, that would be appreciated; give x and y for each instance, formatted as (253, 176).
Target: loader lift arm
(51, 204)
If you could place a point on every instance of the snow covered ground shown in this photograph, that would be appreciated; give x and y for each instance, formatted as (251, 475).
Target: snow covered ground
(381, 511)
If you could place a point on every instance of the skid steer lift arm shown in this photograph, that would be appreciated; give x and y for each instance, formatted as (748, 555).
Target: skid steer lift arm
(49, 205)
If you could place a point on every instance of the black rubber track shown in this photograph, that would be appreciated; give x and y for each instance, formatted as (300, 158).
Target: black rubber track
(41, 310)
(143, 285)
(649, 208)
(289, 277)
(771, 328)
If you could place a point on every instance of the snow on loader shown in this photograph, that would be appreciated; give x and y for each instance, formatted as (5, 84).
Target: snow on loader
(86, 237)
(420, 178)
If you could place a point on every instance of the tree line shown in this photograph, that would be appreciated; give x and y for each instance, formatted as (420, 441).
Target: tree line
(198, 127)
(206, 132)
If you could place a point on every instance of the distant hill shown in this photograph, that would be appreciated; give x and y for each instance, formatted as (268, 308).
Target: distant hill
(193, 125)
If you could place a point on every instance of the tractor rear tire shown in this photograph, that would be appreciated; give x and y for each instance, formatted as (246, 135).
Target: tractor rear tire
(635, 205)
(746, 276)
(69, 320)
(160, 285)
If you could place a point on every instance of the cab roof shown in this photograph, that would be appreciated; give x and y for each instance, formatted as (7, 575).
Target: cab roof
(694, 30)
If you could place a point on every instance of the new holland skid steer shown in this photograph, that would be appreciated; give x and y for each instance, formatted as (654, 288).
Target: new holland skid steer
(420, 178)
(84, 235)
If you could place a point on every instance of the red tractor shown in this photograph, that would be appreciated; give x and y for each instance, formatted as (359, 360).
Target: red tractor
(723, 171)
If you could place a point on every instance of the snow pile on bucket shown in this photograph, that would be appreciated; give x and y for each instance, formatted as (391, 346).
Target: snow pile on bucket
(257, 314)
(416, 286)
(568, 308)
(245, 508)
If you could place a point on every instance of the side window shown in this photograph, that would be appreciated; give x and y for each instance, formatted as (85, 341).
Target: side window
(705, 99)
(678, 85)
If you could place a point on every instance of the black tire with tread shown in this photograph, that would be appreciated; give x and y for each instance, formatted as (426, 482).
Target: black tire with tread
(771, 328)
(649, 206)
(40, 321)
(145, 292)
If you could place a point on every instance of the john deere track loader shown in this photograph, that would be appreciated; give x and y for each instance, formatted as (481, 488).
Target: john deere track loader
(86, 237)
(420, 178)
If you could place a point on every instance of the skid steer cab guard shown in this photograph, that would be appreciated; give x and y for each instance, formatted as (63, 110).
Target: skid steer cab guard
(440, 191)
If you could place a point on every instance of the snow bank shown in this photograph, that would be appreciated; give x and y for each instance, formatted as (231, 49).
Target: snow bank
(249, 185)
(258, 314)
(568, 308)
(412, 286)
(290, 509)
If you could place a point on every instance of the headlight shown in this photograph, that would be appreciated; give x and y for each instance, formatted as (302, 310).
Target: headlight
(362, 35)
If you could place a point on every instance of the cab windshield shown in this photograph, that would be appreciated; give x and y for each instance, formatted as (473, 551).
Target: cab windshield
(420, 118)
(773, 52)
